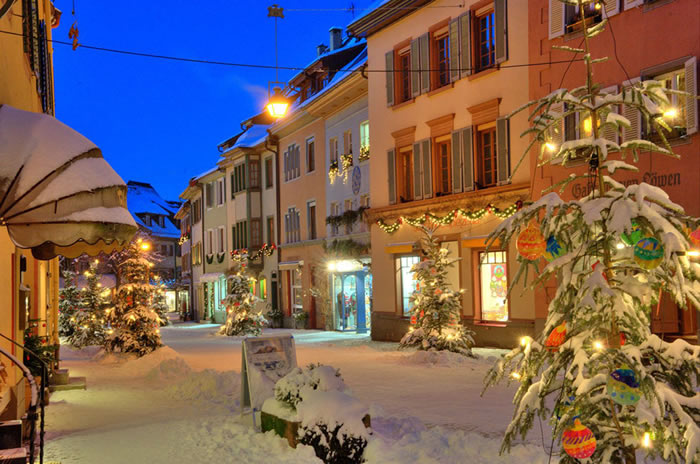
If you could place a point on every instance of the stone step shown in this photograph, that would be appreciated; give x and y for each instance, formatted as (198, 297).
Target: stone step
(10, 434)
(74, 383)
(13, 456)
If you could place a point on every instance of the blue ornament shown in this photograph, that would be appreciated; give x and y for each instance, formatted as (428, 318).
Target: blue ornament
(553, 249)
(623, 387)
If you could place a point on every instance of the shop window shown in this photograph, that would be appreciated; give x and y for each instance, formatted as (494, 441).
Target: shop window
(407, 282)
(493, 285)
(404, 166)
(403, 77)
(486, 155)
(484, 38)
(443, 171)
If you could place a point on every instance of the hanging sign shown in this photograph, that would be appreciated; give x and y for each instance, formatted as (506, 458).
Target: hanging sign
(264, 360)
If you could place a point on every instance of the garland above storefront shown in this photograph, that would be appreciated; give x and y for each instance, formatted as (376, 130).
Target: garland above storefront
(450, 217)
(244, 253)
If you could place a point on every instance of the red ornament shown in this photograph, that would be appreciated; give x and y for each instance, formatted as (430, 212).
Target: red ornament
(413, 320)
(556, 337)
(531, 243)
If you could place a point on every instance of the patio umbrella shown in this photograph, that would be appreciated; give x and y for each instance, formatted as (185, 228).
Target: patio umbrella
(58, 196)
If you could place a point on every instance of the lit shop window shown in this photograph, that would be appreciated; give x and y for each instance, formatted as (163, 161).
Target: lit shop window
(408, 283)
(493, 285)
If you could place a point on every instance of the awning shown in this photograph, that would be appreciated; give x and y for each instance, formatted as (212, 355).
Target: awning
(290, 265)
(58, 196)
(211, 277)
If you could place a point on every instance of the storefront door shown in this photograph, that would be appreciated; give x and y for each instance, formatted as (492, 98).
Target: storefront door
(350, 301)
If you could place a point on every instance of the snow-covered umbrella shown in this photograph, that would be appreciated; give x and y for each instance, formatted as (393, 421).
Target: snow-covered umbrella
(58, 196)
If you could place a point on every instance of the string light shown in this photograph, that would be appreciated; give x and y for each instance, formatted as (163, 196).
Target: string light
(515, 375)
(598, 345)
(646, 440)
(524, 341)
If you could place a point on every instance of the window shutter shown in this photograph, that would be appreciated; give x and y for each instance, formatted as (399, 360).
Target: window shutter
(465, 49)
(503, 147)
(391, 158)
(467, 159)
(415, 67)
(297, 159)
(612, 7)
(456, 162)
(632, 3)
(286, 165)
(417, 175)
(389, 61)
(424, 63)
(501, 18)
(691, 102)
(426, 155)
(454, 50)
(556, 18)
(634, 132)
(610, 132)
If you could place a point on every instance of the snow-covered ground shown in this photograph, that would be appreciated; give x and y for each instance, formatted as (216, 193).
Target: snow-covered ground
(180, 404)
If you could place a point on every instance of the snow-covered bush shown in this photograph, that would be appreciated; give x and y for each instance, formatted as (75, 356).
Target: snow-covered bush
(292, 387)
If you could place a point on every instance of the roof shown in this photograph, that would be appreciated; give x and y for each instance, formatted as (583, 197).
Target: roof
(381, 14)
(252, 137)
(346, 48)
(142, 198)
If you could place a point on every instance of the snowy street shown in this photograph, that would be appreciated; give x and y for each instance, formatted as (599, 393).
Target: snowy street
(180, 404)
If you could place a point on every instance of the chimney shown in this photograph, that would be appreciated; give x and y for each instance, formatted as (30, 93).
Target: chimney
(321, 49)
(336, 37)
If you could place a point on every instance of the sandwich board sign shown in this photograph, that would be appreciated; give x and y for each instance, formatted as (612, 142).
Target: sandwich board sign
(264, 360)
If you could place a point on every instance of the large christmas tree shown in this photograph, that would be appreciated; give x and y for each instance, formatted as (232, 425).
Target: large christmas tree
(436, 308)
(241, 316)
(134, 323)
(89, 320)
(68, 303)
(607, 385)
(160, 304)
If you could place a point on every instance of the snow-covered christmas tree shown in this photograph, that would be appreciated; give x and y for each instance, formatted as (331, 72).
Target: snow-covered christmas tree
(609, 388)
(159, 302)
(134, 323)
(241, 316)
(68, 303)
(89, 320)
(436, 307)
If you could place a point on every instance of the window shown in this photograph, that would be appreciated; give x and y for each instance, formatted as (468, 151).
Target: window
(311, 219)
(254, 174)
(407, 282)
(209, 191)
(210, 241)
(310, 155)
(239, 234)
(263, 288)
(675, 114)
(333, 149)
(364, 141)
(164, 250)
(197, 254)
(347, 142)
(197, 210)
(486, 160)
(348, 207)
(220, 192)
(255, 233)
(405, 174)
(238, 178)
(443, 171)
(268, 172)
(572, 16)
(364, 201)
(291, 163)
(484, 38)
(291, 225)
(221, 240)
(493, 285)
(440, 54)
(335, 211)
(403, 77)
(271, 230)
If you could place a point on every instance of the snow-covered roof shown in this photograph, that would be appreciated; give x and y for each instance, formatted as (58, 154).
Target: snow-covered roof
(142, 198)
(252, 137)
(349, 43)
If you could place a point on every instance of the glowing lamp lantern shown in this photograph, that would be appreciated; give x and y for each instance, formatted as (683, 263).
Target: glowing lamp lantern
(556, 337)
(553, 249)
(578, 441)
(277, 104)
(648, 253)
(530, 243)
(634, 235)
(622, 386)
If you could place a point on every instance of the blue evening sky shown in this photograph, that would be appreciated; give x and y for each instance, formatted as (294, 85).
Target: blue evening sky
(160, 121)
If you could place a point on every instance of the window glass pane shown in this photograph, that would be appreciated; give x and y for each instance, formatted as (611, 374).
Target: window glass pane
(408, 282)
(493, 276)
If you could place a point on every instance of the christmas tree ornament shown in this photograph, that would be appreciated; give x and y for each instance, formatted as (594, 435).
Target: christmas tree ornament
(634, 235)
(553, 249)
(622, 386)
(578, 441)
(530, 243)
(556, 337)
(695, 237)
(564, 406)
(648, 253)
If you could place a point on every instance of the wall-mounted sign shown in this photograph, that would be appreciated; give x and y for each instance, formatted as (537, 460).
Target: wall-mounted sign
(661, 180)
(356, 180)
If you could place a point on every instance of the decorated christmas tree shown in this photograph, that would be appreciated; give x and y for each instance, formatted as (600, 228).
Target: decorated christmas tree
(435, 312)
(609, 388)
(89, 320)
(134, 323)
(241, 316)
(159, 302)
(68, 303)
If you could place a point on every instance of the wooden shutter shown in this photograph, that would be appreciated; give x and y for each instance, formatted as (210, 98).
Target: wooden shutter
(426, 158)
(467, 159)
(417, 174)
(634, 132)
(389, 61)
(456, 162)
(454, 50)
(286, 165)
(632, 3)
(424, 63)
(415, 67)
(503, 147)
(612, 7)
(610, 132)
(691, 102)
(297, 160)
(391, 158)
(556, 18)
(465, 48)
(501, 18)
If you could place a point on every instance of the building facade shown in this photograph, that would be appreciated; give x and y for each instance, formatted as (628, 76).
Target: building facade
(193, 238)
(441, 145)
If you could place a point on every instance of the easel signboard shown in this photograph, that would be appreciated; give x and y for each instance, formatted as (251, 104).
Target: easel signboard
(264, 360)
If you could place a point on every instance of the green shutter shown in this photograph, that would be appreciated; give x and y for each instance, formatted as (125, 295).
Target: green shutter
(456, 162)
(467, 160)
(417, 177)
(503, 147)
(415, 67)
(426, 152)
(501, 30)
(465, 49)
(454, 50)
(391, 158)
(389, 60)
(424, 63)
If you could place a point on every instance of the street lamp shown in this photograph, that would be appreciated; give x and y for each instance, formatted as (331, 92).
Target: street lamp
(277, 104)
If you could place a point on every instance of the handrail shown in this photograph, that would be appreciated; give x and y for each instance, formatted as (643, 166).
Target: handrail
(32, 408)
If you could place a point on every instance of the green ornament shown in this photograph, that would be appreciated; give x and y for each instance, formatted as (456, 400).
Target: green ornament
(634, 235)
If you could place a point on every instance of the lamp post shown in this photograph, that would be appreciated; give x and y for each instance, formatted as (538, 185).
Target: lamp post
(277, 103)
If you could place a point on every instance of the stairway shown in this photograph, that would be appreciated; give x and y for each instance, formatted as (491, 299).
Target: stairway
(11, 449)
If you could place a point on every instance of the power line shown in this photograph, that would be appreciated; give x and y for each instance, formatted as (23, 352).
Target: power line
(351, 9)
(268, 66)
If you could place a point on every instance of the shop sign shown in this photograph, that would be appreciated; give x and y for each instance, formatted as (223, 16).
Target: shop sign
(661, 180)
